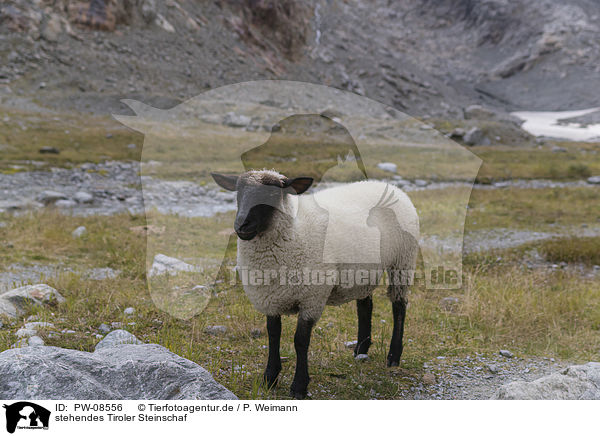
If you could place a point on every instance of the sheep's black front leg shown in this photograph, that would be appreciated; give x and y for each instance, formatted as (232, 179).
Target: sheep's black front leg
(274, 362)
(301, 343)
(399, 311)
(364, 309)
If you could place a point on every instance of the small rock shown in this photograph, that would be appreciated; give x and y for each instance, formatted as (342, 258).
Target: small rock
(15, 301)
(169, 265)
(232, 119)
(362, 358)
(103, 328)
(163, 23)
(458, 133)
(25, 333)
(65, 203)
(116, 325)
(131, 146)
(148, 10)
(68, 332)
(117, 337)
(83, 197)
(51, 197)
(475, 136)
(388, 166)
(478, 112)
(216, 330)
(52, 29)
(79, 232)
(557, 149)
(49, 150)
(421, 183)
(129, 311)
(350, 344)
(38, 325)
(429, 378)
(594, 180)
(449, 304)
(506, 353)
(36, 341)
(493, 368)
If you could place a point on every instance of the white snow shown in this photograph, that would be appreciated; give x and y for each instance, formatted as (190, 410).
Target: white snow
(546, 124)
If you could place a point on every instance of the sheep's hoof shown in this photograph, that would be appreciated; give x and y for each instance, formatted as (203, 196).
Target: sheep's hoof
(393, 362)
(270, 380)
(297, 395)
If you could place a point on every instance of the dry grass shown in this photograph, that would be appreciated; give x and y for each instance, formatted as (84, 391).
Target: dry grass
(501, 306)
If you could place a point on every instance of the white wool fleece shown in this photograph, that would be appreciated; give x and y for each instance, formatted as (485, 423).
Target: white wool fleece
(336, 230)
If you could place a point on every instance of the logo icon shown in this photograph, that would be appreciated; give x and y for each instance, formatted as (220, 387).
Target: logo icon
(26, 415)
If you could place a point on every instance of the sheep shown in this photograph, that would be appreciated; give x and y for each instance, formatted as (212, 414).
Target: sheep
(282, 236)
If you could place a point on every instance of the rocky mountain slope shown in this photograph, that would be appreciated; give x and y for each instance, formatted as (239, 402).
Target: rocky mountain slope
(426, 57)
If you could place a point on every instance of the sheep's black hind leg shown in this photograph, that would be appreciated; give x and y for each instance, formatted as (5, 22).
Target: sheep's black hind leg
(364, 309)
(274, 362)
(399, 311)
(301, 343)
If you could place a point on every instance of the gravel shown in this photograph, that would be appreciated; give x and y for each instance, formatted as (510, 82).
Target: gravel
(470, 378)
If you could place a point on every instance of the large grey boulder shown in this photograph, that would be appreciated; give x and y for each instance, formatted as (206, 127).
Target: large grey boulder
(120, 372)
(579, 382)
(15, 301)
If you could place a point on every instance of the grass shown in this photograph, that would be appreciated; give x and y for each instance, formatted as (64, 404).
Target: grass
(533, 209)
(501, 305)
(192, 152)
(79, 139)
(570, 250)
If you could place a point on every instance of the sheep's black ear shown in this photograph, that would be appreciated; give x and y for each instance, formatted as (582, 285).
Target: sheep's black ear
(225, 181)
(299, 184)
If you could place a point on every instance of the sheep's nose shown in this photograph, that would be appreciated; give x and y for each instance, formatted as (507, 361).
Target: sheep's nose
(241, 222)
(243, 225)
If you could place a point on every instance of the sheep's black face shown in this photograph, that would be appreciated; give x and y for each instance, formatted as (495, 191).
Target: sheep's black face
(256, 206)
(259, 194)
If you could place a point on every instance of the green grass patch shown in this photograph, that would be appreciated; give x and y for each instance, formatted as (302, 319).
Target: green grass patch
(79, 138)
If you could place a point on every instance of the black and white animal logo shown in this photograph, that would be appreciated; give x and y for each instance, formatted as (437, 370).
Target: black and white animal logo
(26, 415)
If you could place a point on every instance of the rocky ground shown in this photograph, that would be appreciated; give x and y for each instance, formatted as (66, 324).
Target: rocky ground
(474, 377)
(477, 377)
(423, 57)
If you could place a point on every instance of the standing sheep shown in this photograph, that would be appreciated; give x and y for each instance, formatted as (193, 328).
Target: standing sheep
(280, 256)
